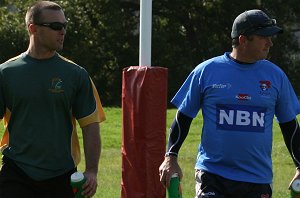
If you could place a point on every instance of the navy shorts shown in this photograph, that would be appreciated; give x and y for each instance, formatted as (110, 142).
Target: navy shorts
(14, 183)
(213, 186)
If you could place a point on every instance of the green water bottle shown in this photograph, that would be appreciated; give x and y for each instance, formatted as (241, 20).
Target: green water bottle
(77, 180)
(295, 189)
(174, 190)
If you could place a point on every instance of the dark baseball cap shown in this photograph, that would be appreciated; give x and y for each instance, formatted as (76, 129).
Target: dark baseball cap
(254, 22)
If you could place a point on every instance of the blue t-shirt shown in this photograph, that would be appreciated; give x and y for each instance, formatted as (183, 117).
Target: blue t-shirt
(238, 103)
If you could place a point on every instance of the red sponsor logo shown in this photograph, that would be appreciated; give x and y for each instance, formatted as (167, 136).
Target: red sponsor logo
(265, 84)
(243, 97)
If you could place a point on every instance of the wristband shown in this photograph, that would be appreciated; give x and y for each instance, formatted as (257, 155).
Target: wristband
(173, 154)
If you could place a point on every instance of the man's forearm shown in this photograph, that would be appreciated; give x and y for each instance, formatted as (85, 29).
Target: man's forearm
(178, 132)
(92, 146)
(291, 135)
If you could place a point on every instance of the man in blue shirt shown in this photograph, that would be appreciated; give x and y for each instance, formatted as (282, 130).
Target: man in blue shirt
(239, 94)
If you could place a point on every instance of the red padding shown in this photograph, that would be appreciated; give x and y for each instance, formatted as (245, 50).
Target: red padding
(144, 105)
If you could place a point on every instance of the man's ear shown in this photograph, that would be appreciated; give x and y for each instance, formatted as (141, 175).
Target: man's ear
(242, 39)
(32, 28)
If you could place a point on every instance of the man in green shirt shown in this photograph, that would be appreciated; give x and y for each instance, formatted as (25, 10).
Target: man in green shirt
(42, 94)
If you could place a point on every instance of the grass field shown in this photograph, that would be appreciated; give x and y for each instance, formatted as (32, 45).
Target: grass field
(109, 177)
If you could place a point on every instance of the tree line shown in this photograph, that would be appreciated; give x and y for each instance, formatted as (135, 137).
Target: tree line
(103, 36)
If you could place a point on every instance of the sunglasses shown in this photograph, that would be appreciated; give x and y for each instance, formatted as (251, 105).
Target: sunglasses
(57, 26)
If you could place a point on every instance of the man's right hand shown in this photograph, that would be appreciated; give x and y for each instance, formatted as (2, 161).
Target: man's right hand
(168, 168)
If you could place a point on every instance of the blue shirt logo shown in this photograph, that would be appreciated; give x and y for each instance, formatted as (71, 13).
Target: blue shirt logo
(244, 118)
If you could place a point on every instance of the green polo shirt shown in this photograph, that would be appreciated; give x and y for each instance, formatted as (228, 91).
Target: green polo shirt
(39, 100)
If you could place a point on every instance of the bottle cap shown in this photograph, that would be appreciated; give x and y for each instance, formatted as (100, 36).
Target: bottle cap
(175, 175)
(77, 176)
(296, 185)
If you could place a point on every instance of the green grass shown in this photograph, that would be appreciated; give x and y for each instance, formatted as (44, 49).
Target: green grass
(109, 177)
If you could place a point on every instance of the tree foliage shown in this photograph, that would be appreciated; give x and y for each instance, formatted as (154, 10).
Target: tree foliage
(103, 36)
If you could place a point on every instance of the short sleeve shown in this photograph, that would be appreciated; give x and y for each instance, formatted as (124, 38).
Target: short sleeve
(188, 97)
(287, 106)
(85, 108)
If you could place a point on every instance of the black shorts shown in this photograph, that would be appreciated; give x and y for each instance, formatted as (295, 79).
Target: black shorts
(14, 183)
(213, 186)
